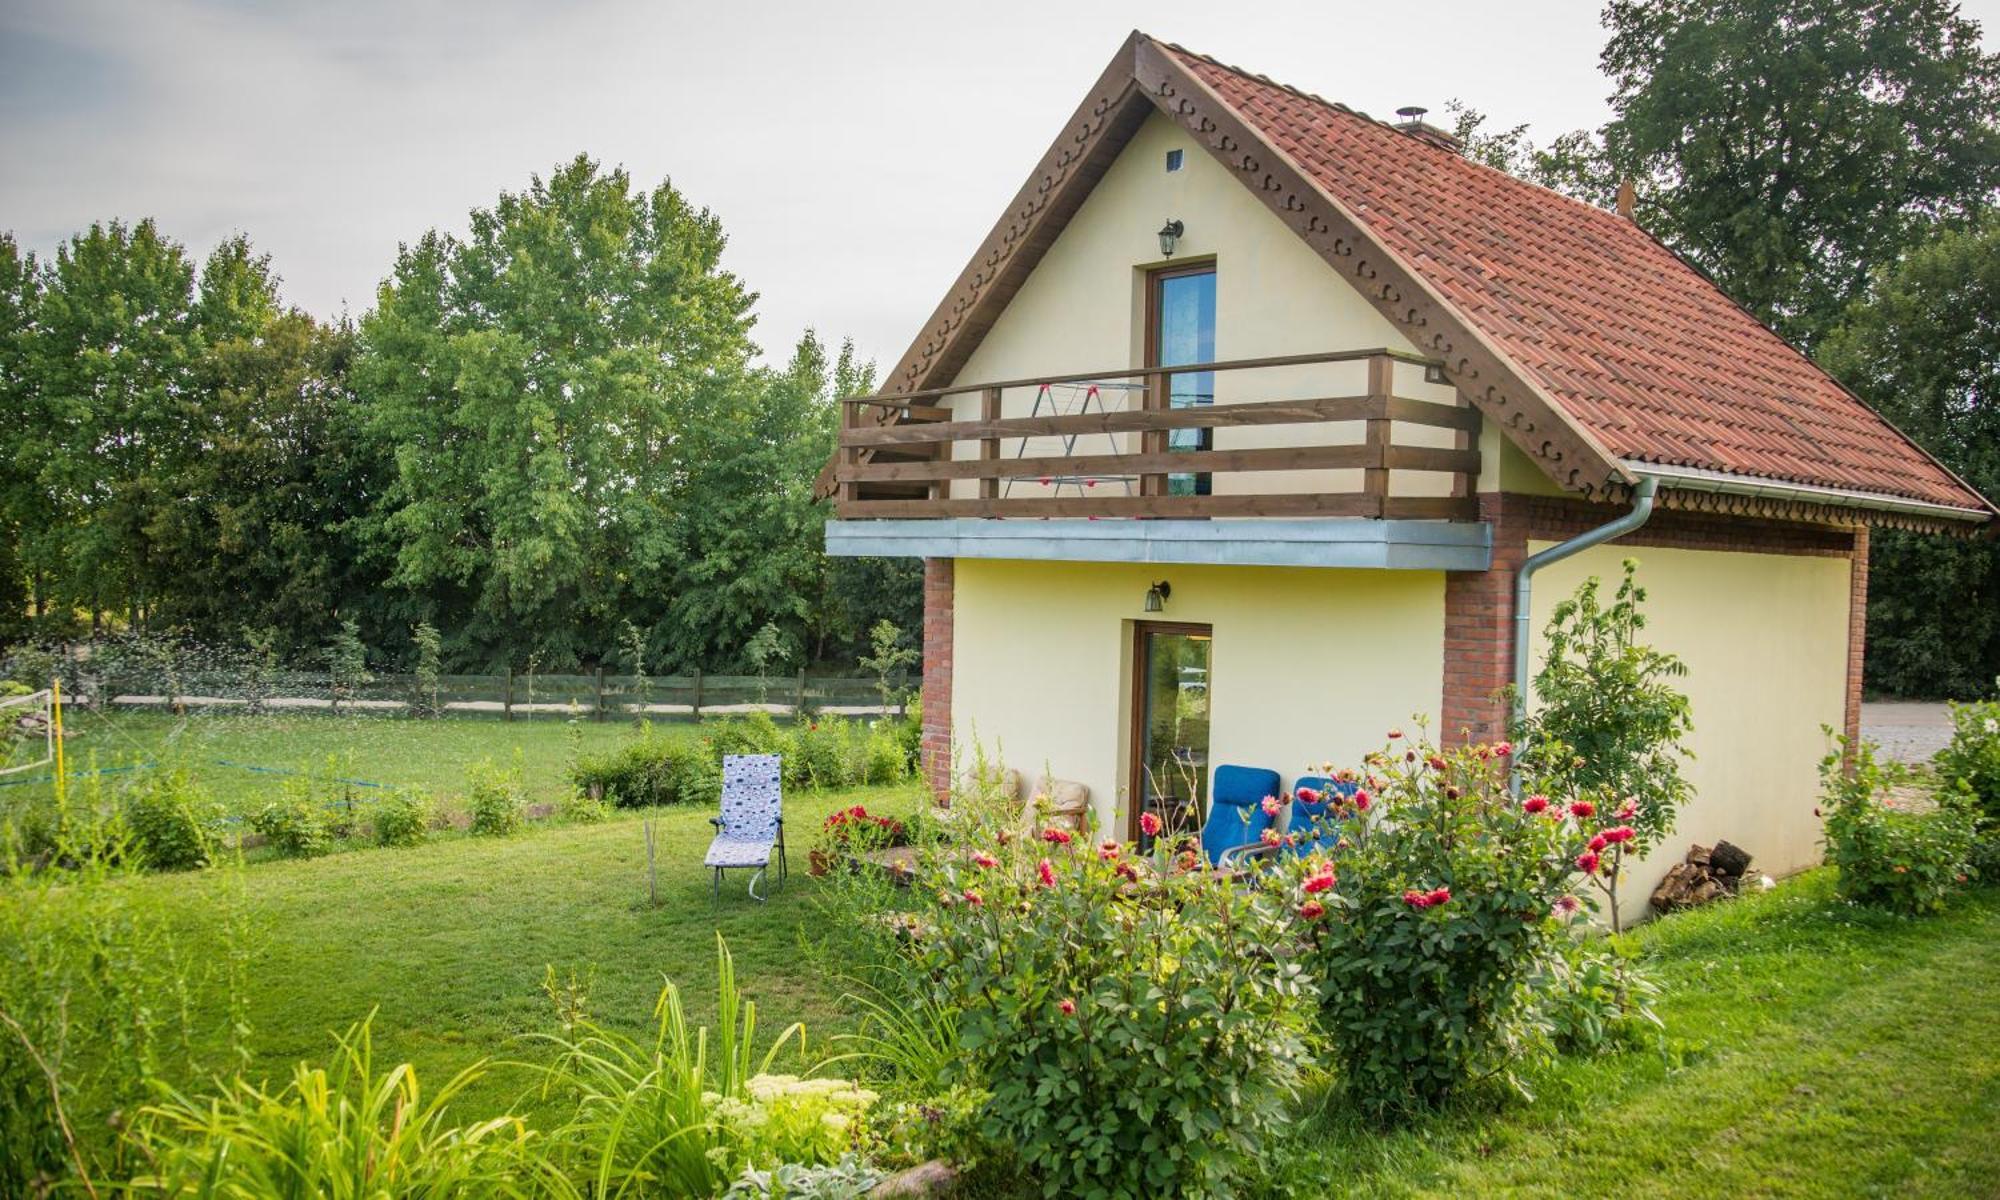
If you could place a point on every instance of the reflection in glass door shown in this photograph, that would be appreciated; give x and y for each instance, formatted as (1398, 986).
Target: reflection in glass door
(1183, 331)
(1170, 664)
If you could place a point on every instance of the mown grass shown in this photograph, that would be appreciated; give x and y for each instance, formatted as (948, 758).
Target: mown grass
(219, 749)
(1812, 1049)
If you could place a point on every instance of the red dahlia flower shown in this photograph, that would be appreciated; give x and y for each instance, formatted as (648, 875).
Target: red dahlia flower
(1312, 910)
(1150, 823)
(1535, 803)
(985, 861)
(1582, 809)
(1598, 843)
(1587, 862)
(1108, 851)
(1056, 837)
(1308, 795)
(1046, 871)
(1068, 1007)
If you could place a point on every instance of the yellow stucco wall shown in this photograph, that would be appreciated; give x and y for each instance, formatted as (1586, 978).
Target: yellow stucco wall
(1083, 309)
(1765, 640)
(1307, 664)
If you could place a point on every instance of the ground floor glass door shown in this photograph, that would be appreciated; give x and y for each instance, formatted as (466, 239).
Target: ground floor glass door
(1170, 668)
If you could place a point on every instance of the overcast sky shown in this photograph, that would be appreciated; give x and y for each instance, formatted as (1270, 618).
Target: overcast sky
(856, 153)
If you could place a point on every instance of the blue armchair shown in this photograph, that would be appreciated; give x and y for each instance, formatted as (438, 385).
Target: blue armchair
(1314, 822)
(1236, 816)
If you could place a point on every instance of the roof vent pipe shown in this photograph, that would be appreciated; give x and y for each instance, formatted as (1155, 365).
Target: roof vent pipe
(1524, 583)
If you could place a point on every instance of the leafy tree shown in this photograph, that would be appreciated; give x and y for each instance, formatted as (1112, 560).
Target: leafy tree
(346, 663)
(539, 385)
(1574, 163)
(23, 504)
(1925, 351)
(109, 418)
(424, 639)
(888, 656)
(1789, 147)
(1609, 720)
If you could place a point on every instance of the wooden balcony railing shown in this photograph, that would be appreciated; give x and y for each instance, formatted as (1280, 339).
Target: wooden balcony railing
(900, 453)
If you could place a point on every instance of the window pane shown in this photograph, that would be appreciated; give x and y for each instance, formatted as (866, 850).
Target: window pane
(1187, 335)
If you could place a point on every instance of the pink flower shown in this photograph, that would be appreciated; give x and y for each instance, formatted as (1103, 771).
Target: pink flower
(1108, 851)
(1128, 871)
(1629, 809)
(1587, 862)
(1535, 803)
(1312, 910)
(1598, 843)
(1269, 837)
(1150, 824)
(1416, 899)
(1503, 749)
(1568, 905)
(1046, 871)
(985, 861)
(1320, 880)
(1068, 1007)
(1308, 795)
(1271, 806)
(1620, 835)
(1435, 762)
(1437, 896)
(1582, 809)
(974, 898)
(1361, 800)
(1056, 837)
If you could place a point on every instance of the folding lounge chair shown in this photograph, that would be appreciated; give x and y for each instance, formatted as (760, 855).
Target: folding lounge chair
(752, 821)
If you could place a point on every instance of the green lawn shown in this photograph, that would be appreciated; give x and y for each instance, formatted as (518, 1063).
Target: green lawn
(219, 749)
(1812, 1049)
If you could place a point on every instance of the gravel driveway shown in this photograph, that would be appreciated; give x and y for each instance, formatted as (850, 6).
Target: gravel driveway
(1907, 731)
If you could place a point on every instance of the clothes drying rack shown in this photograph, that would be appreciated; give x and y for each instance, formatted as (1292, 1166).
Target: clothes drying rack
(1068, 400)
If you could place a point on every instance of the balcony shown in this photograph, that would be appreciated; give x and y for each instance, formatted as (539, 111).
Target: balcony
(901, 454)
(1310, 459)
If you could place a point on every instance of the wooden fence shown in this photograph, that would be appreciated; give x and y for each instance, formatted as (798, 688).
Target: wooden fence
(597, 696)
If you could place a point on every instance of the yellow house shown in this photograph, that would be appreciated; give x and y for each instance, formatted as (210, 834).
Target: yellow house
(1254, 424)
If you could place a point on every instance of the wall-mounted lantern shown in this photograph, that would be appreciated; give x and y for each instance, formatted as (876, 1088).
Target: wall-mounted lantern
(1170, 234)
(1156, 596)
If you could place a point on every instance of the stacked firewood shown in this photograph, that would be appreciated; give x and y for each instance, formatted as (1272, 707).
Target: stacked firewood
(1706, 874)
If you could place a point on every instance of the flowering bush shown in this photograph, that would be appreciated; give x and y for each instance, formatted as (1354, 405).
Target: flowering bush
(1432, 912)
(851, 825)
(1139, 1034)
(1888, 856)
(1971, 763)
(785, 1119)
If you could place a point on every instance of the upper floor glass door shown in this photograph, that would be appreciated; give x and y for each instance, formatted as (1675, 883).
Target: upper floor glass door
(1182, 312)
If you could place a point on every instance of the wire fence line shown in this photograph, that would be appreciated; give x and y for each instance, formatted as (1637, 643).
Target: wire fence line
(595, 696)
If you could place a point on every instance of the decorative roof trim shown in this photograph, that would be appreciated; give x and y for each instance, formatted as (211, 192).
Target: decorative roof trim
(1729, 492)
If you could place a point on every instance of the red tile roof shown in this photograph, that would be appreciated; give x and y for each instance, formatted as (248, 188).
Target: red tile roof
(1637, 346)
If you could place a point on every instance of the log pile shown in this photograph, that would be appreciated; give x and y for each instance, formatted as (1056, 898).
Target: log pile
(1706, 874)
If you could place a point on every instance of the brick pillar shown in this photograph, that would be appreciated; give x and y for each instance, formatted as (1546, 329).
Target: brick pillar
(1479, 630)
(1857, 632)
(936, 745)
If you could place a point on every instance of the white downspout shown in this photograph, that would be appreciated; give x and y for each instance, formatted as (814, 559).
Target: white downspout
(1524, 583)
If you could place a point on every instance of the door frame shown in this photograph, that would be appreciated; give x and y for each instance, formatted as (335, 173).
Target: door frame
(1135, 729)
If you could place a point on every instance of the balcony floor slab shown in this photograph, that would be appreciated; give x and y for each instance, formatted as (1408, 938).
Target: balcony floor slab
(1318, 542)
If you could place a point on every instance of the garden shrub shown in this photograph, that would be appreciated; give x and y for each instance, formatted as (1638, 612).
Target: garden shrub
(402, 818)
(1139, 1034)
(752, 733)
(1434, 913)
(1588, 997)
(493, 797)
(883, 757)
(652, 769)
(295, 825)
(819, 758)
(1889, 855)
(849, 1179)
(785, 1119)
(581, 808)
(172, 822)
(1970, 762)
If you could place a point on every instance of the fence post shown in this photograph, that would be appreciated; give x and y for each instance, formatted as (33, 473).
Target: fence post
(600, 691)
(697, 693)
(799, 705)
(507, 697)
